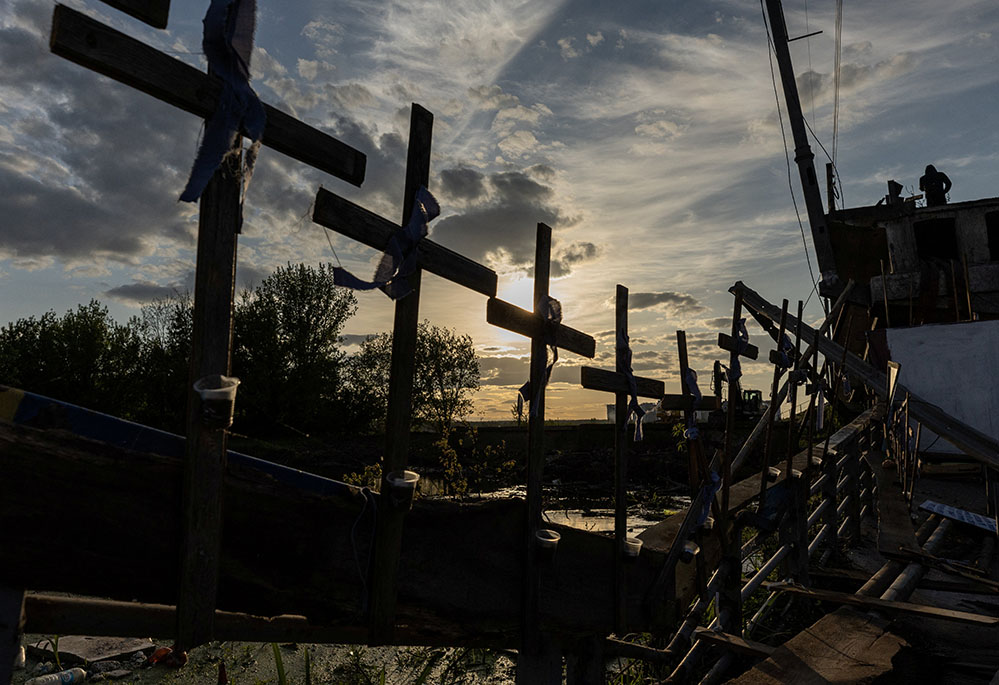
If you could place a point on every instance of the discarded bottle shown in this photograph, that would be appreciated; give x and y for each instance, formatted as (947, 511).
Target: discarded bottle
(73, 675)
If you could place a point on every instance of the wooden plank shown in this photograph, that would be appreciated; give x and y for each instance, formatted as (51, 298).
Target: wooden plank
(461, 565)
(219, 222)
(895, 530)
(841, 647)
(884, 604)
(728, 343)
(513, 318)
(734, 643)
(681, 403)
(152, 12)
(100, 48)
(389, 528)
(364, 226)
(611, 381)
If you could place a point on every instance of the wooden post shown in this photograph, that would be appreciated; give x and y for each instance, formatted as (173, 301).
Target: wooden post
(11, 623)
(830, 188)
(618, 383)
(798, 364)
(776, 360)
(794, 532)
(211, 345)
(584, 665)
(389, 528)
(537, 661)
(853, 491)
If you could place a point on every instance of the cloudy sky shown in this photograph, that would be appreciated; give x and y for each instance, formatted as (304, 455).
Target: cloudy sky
(644, 132)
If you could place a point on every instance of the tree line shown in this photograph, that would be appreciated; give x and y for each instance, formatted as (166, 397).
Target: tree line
(287, 351)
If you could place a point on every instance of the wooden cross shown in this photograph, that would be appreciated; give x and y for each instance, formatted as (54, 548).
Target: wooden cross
(618, 382)
(100, 48)
(358, 223)
(537, 660)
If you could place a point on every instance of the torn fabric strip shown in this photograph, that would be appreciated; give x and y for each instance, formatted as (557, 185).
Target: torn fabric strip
(228, 44)
(402, 256)
(634, 408)
(692, 433)
(553, 317)
(741, 343)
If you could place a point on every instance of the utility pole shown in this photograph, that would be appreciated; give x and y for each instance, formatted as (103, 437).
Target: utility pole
(803, 156)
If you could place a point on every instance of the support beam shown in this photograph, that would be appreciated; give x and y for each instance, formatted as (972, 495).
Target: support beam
(100, 48)
(152, 12)
(513, 318)
(364, 226)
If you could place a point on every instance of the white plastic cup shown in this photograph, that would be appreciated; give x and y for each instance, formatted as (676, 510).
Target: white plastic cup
(690, 551)
(73, 675)
(402, 487)
(218, 399)
(632, 547)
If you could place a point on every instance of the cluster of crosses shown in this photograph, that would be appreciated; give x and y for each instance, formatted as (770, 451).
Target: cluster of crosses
(112, 53)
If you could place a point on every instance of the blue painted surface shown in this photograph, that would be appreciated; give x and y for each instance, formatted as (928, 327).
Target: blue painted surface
(37, 411)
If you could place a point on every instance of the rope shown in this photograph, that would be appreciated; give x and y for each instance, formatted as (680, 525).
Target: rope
(634, 408)
(553, 317)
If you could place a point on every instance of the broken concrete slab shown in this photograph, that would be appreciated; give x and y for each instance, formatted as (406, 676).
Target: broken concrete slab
(74, 649)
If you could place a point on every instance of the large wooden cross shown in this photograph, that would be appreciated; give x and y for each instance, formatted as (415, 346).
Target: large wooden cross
(619, 383)
(100, 48)
(349, 219)
(537, 660)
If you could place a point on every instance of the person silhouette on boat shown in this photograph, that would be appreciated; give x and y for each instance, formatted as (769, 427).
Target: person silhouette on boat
(935, 185)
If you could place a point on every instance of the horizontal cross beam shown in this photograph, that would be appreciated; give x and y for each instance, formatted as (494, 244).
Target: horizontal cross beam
(729, 345)
(100, 48)
(678, 402)
(364, 226)
(529, 324)
(612, 381)
(152, 12)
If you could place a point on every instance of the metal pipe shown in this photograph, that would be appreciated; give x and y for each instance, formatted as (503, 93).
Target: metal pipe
(843, 505)
(753, 583)
(819, 537)
(843, 526)
(909, 577)
(842, 482)
(717, 672)
(817, 485)
(880, 581)
(817, 514)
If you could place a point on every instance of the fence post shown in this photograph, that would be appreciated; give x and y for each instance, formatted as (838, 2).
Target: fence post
(794, 532)
(853, 490)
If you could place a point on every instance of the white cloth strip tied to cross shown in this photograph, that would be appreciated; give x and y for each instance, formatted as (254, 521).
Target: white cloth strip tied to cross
(634, 408)
(228, 44)
(742, 342)
(552, 318)
(402, 255)
(692, 433)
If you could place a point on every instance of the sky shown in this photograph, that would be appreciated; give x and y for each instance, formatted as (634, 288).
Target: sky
(644, 132)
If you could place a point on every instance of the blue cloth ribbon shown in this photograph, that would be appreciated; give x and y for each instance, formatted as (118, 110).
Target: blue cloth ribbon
(552, 318)
(741, 343)
(783, 351)
(634, 408)
(709, 489)
(401, 256)
(228, 44)
(691, 433)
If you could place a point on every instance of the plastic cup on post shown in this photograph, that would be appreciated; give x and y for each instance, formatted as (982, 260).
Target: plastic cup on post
(632, 548)
(218, 399)
(402, 487)
(547, 542)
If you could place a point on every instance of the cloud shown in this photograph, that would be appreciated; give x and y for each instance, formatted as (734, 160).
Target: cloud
(668, 300)
(463, 183)
(572, 255)
(141, 292)
(518, 144)
(595, 39)
(566, 49)
(500, 226)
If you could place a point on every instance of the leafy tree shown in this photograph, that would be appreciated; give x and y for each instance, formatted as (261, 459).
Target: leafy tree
(286, 348)
(84, 357)
(165, 327)
(447, 373)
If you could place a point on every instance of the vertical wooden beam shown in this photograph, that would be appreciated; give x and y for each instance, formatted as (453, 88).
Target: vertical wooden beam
(384, 572)
(11, 622)
(830, 188)
(792, 446)
(537, 661)
(733, 400)
(695, 471)
(620, 468)
(219, 223)
(584, 665)
(768, 441)
(853, 490)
